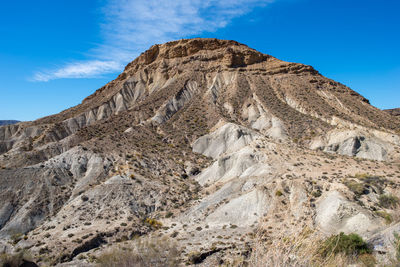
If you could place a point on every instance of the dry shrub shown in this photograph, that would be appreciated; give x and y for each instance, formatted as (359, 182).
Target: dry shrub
(15, 260)
(396, 214)
(288, 251)
(388, 201)
(302, 249)
(11, 260)
(351, 245)
(387, 216)
(146, 252)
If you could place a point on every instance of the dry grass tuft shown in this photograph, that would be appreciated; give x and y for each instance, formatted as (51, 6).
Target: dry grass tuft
(15, 260)
(309, 248)
(148, 252)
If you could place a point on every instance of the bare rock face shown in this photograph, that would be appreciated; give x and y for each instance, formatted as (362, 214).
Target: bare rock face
(229, 138)
(336, 214)
(360, 143)
(208, 142)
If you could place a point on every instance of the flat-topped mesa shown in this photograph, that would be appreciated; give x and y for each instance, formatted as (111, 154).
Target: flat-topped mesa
(233, 53)
(222, 54)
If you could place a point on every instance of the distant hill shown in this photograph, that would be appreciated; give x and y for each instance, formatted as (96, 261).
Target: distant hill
(394, 111)
(7, 122)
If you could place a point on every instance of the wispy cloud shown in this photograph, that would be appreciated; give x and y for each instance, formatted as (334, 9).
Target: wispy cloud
(85, 69)
(131, 26)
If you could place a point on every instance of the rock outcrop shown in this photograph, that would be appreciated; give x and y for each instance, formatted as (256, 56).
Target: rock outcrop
(393, 112)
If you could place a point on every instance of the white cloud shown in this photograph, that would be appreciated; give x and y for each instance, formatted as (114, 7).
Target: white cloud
(131, 26)
(85, 69)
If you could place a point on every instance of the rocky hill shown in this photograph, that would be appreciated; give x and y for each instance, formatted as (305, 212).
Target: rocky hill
(394, 111)
(7, 122)
(222, 150)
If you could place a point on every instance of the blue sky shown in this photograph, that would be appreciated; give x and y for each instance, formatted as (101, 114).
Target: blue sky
(55, 53)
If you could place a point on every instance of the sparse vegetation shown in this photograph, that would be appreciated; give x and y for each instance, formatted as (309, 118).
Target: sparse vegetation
(361, 175)
(357, 188)
(388, 201)
(153, 223)
(146, 252)
(397, 246)
(194, 257)
(308, 248)
(350, 245)
(316, 194)
(15, 238)
(362, 184)
(15, 260)
(388, 218)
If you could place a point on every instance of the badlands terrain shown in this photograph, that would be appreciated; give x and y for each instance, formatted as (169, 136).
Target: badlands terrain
(205, 152)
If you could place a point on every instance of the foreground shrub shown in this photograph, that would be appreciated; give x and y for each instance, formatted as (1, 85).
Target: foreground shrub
(350, 245)
(310, 248)
(150, 252)
(295, 251)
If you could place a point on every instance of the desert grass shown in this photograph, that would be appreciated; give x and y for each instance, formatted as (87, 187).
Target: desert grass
(145, 252)
(307, 248)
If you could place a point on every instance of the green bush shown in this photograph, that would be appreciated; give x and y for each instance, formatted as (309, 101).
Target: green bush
(363, 183)
(351, 245)
(357, 188)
